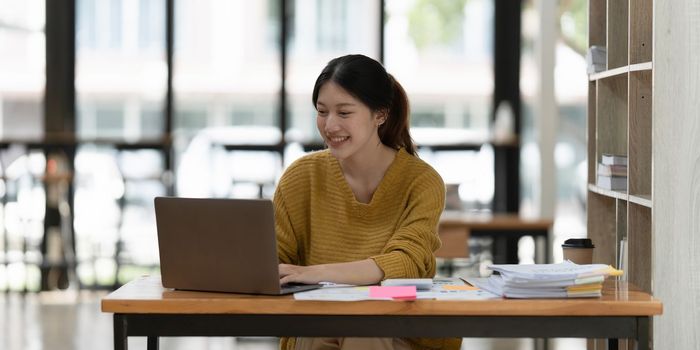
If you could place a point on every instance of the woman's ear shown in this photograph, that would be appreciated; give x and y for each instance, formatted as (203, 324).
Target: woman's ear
(380, 116)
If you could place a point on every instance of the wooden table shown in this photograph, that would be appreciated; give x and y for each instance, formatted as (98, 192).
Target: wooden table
(456, 227)
(144, 308)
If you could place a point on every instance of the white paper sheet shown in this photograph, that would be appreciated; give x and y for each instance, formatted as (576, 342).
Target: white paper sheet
(442, 289)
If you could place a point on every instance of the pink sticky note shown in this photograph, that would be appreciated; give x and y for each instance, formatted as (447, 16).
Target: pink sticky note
(395, 292)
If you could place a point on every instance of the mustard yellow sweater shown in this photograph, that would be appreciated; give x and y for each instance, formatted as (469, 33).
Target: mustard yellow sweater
(319, 221)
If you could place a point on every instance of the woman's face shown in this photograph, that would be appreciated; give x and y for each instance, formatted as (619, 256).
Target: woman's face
(347, 125)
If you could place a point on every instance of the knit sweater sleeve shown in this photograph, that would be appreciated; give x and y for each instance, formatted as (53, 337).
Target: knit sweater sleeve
(287, 246)
(409, 253)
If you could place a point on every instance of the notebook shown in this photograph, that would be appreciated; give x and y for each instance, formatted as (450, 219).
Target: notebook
(219, 245)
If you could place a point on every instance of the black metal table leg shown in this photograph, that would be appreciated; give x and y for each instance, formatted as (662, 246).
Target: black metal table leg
(501, 252)
(540, 343)
(643, 333)
(152, 343)
(612, 344)
(120, 339)
(512, 250)
(505, 244)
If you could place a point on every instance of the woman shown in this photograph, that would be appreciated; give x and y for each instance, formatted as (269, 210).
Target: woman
(365, 209)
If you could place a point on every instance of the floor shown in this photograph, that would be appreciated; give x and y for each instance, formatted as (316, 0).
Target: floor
(73, 321)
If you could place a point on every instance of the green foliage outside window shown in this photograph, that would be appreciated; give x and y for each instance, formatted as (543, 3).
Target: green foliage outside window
(436, 22)
(574, 24)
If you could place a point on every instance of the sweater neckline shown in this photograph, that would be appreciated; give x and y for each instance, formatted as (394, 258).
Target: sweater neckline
(381, 188)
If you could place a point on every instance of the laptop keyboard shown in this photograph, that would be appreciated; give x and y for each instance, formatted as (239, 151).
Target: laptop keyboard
(289, 288)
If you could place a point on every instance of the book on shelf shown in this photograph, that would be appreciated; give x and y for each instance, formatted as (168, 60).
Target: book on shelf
(614, 183)
(613, 159)
(595, 59)
(612, 169)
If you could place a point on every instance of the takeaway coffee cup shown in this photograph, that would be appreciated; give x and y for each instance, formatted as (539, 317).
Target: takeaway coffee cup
(578, 250)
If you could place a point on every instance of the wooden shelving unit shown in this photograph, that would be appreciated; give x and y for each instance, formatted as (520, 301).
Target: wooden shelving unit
(620, 122)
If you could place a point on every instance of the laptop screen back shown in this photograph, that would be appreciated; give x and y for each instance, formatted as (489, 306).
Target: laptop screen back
(223, 245)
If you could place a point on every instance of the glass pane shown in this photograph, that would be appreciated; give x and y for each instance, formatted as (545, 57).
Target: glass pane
(571, 89)
(114, 217)
(98, 189)
(22, 68)
(470, 190)
(121, 77)
(120, 68)
(226, 66)
(441, 52)
(227, 80)
(22, 84)
(321, 30)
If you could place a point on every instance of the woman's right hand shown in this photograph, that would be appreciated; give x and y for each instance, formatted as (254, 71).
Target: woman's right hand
(300, 274)
(361, 272)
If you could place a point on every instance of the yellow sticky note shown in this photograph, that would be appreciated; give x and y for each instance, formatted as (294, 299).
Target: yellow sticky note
(463, 287)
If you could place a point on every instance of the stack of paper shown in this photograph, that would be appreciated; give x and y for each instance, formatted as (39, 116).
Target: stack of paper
(563, 280)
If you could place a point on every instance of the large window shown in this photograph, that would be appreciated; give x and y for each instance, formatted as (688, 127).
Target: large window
(226, 64)
(233, 64)
(321, 30)
(570, 87)
(22, 84)
(441, 51)
(121, 83)
(22, 67)
(227, 83)
(120, 68)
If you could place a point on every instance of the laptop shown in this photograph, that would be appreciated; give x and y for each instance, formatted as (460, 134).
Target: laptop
(219, 245)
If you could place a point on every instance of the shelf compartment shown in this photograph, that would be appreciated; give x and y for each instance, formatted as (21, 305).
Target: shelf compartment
(640, 110)
(611, 116)
(602, 227)
(640, 27)
(639, 245)
(617, 29)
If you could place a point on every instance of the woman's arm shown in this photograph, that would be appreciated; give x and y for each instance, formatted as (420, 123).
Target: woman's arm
(409, 253)
(360, 272)
(287, 247)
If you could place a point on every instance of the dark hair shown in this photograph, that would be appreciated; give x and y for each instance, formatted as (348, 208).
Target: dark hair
(368, 81)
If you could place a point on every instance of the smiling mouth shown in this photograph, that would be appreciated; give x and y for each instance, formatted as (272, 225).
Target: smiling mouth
(335, 140)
